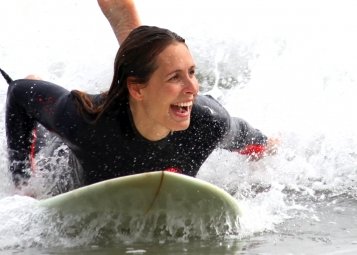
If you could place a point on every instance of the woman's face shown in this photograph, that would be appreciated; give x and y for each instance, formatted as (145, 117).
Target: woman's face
(167, 98)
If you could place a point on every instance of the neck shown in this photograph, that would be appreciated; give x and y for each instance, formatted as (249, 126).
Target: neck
(145, 126)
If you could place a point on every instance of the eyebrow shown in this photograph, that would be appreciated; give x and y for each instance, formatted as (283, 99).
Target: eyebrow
(180, 70)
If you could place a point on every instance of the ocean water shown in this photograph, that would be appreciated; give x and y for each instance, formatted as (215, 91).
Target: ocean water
(287, 67)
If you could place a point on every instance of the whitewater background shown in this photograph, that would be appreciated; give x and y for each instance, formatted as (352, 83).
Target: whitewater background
(287, 67)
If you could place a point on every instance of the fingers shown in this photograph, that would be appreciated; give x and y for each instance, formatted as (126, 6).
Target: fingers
(33, 77)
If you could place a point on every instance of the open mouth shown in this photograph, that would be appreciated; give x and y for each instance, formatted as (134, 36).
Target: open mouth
(181, 109)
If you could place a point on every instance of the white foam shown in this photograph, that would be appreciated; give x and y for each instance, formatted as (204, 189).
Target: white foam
(295, 67)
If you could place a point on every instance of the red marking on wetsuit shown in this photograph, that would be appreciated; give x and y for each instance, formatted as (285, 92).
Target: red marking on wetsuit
(173, 170)
(252, 149)
(33, 150)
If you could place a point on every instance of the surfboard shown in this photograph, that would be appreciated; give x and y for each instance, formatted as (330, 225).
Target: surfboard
(152, 202)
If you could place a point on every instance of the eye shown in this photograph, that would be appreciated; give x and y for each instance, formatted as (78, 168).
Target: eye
(192, 71)
(174, 77)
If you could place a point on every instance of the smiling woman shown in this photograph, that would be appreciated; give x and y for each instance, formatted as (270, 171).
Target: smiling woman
(151, 118)
(160, 88)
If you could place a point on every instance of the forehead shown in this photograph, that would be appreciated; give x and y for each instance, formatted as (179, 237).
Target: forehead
(174, 56)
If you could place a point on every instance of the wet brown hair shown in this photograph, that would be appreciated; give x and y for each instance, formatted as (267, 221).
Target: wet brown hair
(135, 58)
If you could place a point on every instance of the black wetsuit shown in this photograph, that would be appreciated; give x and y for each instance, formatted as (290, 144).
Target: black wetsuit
(112, 146)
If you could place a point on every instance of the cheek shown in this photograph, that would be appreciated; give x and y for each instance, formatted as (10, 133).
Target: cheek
(160, 99)
(172, 92)
(157, 105)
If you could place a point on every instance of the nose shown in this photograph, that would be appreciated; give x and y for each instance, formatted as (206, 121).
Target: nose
(192, 86)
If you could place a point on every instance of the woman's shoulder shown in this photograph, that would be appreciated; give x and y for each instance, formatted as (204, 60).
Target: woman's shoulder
(208, 106)
(38, 87)
(211, 113)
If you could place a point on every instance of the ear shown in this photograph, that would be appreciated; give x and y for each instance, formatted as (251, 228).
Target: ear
(135, 89)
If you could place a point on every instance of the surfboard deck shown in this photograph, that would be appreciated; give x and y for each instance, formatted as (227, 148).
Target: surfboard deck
(153, 195)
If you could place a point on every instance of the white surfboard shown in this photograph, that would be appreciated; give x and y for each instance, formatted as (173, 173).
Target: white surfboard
(156, 198)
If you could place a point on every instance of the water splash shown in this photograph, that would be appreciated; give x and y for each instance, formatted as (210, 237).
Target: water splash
(288, 69)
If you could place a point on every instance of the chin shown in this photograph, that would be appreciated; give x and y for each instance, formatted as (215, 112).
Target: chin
(181, 126)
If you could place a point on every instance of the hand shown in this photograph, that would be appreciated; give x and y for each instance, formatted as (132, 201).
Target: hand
(33, 77)
(272, 146)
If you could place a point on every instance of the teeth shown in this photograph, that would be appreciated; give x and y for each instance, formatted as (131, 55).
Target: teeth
(186, 104)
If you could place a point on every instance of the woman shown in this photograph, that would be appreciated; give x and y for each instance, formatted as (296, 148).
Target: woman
(150, 119)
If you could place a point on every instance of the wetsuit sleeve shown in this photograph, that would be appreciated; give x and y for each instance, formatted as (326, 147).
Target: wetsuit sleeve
(237, 134)
(28, 102)
(241, 136)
